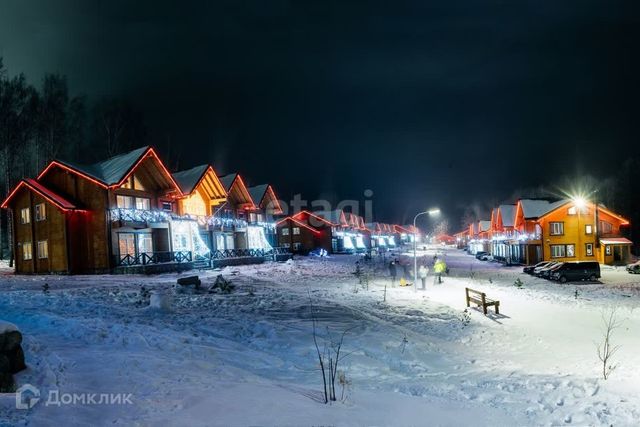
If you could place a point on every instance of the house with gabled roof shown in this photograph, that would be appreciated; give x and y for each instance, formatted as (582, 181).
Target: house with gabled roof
(234, 214)
(502, 232)
(267, 209)
(100, 217)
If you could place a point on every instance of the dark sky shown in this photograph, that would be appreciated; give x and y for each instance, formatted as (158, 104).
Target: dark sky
(427, 103)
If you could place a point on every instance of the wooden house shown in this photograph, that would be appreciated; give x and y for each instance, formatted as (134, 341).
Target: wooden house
(95, 218)
(203, 197)
(502, 232)
(234, 215)
(261, 220)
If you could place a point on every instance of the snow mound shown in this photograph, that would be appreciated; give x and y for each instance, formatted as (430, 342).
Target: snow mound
(7, 327)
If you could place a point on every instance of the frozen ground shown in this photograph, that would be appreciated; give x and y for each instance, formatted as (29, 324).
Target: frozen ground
(248, 358)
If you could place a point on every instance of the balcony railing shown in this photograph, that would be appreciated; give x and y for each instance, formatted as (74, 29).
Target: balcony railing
(146, 258)
(243, 253)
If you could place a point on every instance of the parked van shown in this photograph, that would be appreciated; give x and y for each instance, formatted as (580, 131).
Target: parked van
(574, 271)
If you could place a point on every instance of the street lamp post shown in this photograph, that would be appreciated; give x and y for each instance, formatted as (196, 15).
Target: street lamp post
(415, 245)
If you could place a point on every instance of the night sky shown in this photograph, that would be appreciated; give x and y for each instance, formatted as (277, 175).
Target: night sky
(427, 103)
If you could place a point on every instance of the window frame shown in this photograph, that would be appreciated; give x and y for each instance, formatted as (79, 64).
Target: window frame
(28, 216)
(284, 231)
(564, 251)
(588, 249)
(37, 213)
(588, 229)
(296, 231)
(552, 226)
(24, 257)
(45, 245)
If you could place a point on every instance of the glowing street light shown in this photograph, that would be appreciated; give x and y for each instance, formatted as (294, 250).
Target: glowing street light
(430, 212)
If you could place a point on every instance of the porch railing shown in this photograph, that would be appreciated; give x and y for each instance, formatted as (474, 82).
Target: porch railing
(146, 258)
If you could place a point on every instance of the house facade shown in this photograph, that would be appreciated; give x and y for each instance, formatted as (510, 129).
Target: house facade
(97, 217)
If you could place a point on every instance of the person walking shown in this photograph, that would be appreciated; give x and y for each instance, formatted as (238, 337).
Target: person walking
(439, 267)
(423, 271)
(393, 271)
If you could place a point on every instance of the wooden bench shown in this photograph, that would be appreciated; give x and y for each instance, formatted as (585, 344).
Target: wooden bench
(481, 300)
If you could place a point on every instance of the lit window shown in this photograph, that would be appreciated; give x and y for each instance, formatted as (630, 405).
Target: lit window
(41, 213)
(252, 217)
(588, 229)
(125, 202)
(557, 228)
(589, 249)
(296, 230)
(25, 216)
(607, 250)
(557, 251)
(137, 184)
(128, 184)
(571, 250)
(143, 203)
(572, 210)
(284, 231)
(43, 249)
(27, 251)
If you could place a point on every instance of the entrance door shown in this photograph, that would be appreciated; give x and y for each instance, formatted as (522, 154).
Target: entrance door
(617, 253)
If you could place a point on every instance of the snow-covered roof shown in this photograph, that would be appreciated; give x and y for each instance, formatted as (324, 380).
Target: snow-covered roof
(188, 179)
(535, 208)
(257, 192)
(48, 194)
(615, 241)
(227, 180)
(507, 213)
(335, 217)
(484, 226)
(112, 170)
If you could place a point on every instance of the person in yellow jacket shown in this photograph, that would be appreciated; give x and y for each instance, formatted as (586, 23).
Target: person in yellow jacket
(439, 268)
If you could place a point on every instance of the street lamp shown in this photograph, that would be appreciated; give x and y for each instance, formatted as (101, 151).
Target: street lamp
(430, 212)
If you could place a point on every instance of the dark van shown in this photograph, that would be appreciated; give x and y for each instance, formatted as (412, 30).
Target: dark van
(574, 271)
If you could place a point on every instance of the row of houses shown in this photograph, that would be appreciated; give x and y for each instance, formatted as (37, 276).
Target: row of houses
(534, 230)
(130, 213)
(340, 232)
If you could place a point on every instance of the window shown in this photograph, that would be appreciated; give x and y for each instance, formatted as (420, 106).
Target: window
(297, 246)
(571, 250)
(557, 251)
(252, 217)
(125, 202)
(557, 228)
(589, 249)
(25, 216)
(606, 227)
(296, 231)
(284, 231)
(607, 250)
(286, 245)
(137, 184)
(588, 229)
(43, 249)
(145, 243)
(143, 203)
(259, 218)
(572, 210)
(41, 213)
(27, 251)
(127, 244)
(167, 206)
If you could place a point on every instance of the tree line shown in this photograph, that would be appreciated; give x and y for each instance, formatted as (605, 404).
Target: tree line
(41, 122)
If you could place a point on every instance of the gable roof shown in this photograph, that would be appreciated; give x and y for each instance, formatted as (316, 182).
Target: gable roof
(113, 171)
(535, 208)
(336, 217)
(190, 178)
(508, 214)
(258, 192)
(484, 226)
(43, 191)
(227, 180)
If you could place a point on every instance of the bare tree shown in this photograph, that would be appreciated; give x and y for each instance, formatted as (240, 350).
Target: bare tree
(606, 350)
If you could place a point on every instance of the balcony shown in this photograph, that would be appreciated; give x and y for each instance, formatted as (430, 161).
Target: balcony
(152, 258)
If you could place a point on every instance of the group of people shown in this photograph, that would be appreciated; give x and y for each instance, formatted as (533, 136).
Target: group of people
(439, 268)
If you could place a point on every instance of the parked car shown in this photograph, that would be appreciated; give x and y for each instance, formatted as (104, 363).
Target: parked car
(545, 273)
(481, 254)
(529, 269)
(550, 264)
(574, 271)
(634, 268)
(485, 257)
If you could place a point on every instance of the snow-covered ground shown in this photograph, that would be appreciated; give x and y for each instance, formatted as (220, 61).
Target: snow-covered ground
(248, 358)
